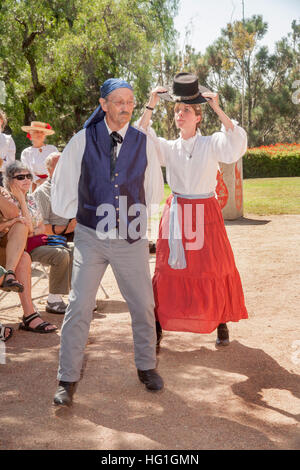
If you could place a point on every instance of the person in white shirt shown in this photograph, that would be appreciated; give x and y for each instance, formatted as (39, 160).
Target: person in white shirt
(197, 287)
(34, 157)
(7, 147)
(105, 166)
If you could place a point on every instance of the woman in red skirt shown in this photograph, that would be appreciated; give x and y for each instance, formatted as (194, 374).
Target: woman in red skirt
(196, 284)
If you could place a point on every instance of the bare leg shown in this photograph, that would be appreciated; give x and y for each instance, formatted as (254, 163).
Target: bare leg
(23, 273)
(16, 241)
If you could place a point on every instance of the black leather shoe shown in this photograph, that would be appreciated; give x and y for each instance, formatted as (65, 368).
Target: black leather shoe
(64, 394)
(159, 335)
(151, 379)
(223, 335)
(152, 247)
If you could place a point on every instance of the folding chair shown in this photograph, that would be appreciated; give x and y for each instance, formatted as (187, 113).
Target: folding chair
(45, 274)
(42, 272)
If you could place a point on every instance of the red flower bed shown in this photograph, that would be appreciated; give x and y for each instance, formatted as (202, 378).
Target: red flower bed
(275, 148)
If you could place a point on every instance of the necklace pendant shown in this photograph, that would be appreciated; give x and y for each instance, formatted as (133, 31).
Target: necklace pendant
(40, 149)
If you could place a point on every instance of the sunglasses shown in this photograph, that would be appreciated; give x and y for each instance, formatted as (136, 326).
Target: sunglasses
(22, 177)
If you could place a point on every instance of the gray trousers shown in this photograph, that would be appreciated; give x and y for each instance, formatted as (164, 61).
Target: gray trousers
(130, 265)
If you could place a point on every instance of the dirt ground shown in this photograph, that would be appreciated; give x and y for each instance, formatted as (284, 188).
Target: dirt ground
(245, 396)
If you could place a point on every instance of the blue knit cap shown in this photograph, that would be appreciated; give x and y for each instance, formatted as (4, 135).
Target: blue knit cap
(108, 86)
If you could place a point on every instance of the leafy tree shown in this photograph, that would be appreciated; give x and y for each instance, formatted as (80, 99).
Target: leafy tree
(54, 54)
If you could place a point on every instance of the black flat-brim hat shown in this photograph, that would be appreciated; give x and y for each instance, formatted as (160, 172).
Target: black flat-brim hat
(186, 89)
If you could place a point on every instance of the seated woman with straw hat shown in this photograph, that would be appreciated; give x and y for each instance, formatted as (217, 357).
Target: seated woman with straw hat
(34, 157)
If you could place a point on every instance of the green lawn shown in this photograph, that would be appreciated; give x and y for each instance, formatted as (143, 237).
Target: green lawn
(264, 196)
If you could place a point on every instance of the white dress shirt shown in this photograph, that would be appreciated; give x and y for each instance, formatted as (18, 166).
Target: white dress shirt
(64, 191)
(7, 151)
(192, 164)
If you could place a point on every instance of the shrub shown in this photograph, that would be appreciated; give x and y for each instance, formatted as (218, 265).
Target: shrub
(272, 161)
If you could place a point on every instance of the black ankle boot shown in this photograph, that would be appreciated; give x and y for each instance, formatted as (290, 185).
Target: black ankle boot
(159, 335)
(151, 379)
(223, 335)
(64, 394)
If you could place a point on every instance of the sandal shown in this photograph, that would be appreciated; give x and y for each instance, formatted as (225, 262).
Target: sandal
(11, 284)
(41, 328)
(2, 333)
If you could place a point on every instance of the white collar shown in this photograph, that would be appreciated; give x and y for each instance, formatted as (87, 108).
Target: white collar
(191, 139)
(122, 131)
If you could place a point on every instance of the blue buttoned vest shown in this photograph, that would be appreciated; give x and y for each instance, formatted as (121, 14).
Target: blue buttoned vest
(95, 185)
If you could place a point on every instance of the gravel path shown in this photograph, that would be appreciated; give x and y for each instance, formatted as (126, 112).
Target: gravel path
(245, 396)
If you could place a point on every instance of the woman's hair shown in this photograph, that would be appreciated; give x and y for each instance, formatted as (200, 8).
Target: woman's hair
(11, 170)
(196, 107)
(3, 118)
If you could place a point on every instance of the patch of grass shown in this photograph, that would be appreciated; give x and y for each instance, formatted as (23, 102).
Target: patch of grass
(167, 192)
(265, 196)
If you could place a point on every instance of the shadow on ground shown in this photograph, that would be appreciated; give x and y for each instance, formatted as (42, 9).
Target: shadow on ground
(112, 409)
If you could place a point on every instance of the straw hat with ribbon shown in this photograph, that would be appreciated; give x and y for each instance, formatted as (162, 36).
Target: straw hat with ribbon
(38, 126)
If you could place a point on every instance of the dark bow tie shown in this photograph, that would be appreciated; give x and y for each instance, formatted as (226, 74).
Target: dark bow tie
(115, 139)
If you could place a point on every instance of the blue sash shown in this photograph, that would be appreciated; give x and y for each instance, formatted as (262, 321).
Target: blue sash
(177, 257)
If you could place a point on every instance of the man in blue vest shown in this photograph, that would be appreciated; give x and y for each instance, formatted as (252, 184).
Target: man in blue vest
(106, 177)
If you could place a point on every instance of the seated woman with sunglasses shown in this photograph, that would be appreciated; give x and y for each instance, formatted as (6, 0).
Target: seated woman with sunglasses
(17, 181)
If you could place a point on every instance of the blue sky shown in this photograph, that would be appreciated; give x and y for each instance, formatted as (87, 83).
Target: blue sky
(204, 19)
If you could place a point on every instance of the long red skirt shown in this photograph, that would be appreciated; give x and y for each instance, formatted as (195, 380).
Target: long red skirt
(208, 291)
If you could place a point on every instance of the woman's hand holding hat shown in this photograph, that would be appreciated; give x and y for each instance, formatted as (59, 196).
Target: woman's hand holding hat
(212, 99)
(154, 99)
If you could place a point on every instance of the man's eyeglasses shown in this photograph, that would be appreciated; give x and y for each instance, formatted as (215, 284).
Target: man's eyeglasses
(22, 177)
(119, 104)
